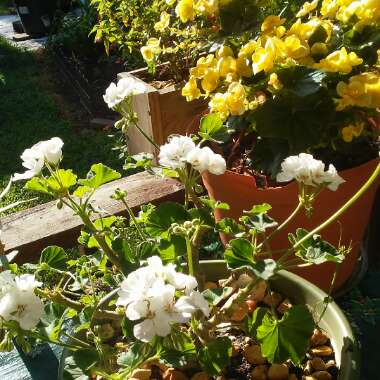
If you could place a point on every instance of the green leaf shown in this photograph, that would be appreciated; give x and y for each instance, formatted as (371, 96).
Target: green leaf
(215, 356)
(78, 365)
(137, 354)
(212, 129)
(38, 184)
(264, 269)
(81, 191)
(99, 175)
(214, 205)
(315, 250)
(260, 209)
(253, 323)
(287, 338)
(65, 179)
(229, 226)
(105, 223)
(177, 359)
(54, 256)
(239, 254)
(217, 295)
(160, 220)
(171, 248)
(258, 222)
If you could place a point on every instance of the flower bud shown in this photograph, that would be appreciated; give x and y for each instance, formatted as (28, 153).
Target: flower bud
(6, 345)
(59, 204)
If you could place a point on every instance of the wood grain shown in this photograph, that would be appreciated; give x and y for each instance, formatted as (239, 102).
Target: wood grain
(32, 230)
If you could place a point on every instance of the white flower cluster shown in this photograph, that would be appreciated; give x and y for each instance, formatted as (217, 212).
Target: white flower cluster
(125, 87)
(35, 157)
(306, 169)
(181, 150)
(149, 294)
(18, 301)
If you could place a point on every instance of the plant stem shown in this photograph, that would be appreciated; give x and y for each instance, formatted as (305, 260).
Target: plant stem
(189, 253)
(132, 216)
(346, 206)
(145, 135)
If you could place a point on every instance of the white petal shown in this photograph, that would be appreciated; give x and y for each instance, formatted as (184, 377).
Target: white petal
(144, 331)
(137, 310)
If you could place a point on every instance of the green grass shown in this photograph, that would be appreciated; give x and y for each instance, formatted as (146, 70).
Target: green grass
(4, 7)
(29, 113)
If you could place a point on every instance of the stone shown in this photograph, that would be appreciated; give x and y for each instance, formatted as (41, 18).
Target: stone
(321, 351)
(253, 355)
(278, 372)
(259, 373)
(251, 304)
(201, 376)
(318, 364)
(173, 374)
(318, 338)
(259, 291)
(141, 374)
(321, 375)
(292, 376)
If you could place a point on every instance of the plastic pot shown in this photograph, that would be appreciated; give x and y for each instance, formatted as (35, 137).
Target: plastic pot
(241, 193)
(300, 291)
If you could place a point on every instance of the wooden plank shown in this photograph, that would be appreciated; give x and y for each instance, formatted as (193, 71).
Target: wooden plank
(31, 230)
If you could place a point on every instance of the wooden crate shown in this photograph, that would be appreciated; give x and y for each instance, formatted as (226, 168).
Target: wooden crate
(161, 113)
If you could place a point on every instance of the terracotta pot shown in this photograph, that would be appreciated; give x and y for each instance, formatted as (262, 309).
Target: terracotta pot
(241, 193)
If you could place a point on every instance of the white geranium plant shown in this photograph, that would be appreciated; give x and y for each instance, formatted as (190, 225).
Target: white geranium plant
(122, 306)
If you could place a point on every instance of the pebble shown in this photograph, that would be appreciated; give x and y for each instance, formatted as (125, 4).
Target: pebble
(240, 313)
(173, 374)
(274, 301)
(259, 291)
(243, 280)
(211, 285)
(141, 374)
(321, 375)
(318, 364)
(308, 369)
(322, 351)
(201, 376)
(259, 373)
(318, 338)
(235, 349)
(284, 306)
(251, 304)
(292, 376)
(253, 355)
(278, 372)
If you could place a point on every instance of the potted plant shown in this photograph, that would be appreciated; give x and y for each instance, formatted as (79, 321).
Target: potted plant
(309, 82)
(152, 309)
(169, 37)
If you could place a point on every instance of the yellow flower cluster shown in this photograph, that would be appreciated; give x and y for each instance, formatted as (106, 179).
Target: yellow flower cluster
(339, 61)
(186, 10)
(307, 8)
(163, 23)
(151, 49)
(362, 90)
(351, 131)
(364, 12)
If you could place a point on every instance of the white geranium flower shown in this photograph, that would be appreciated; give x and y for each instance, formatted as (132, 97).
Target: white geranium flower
(199, 158)
(195, 301)
(51, 150)
(304, 168)
(21, 306)
(7, 281)
(35, 157)
(217, 164)
(173, 154)
(32, 160)
(125, 87)
(27, 283)
(111, 97)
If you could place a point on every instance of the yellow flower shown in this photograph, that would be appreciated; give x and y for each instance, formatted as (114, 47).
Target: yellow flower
(203, 64)
(243, 67)
(185, 10)
(211, 80)
(163, 23)
(248, 49)
(307, 8)
(191, 90)
(271, 23)
(218, 104)
(224, 51)
(226, 65)
(236, 99)
(208, 7)
(275, 82)
(319, 48)
(147, 53)
(329, 8)
(351, 131)
(339, 61)
(295, 48)
(262, 59)
(305, 30)
(363, 90)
